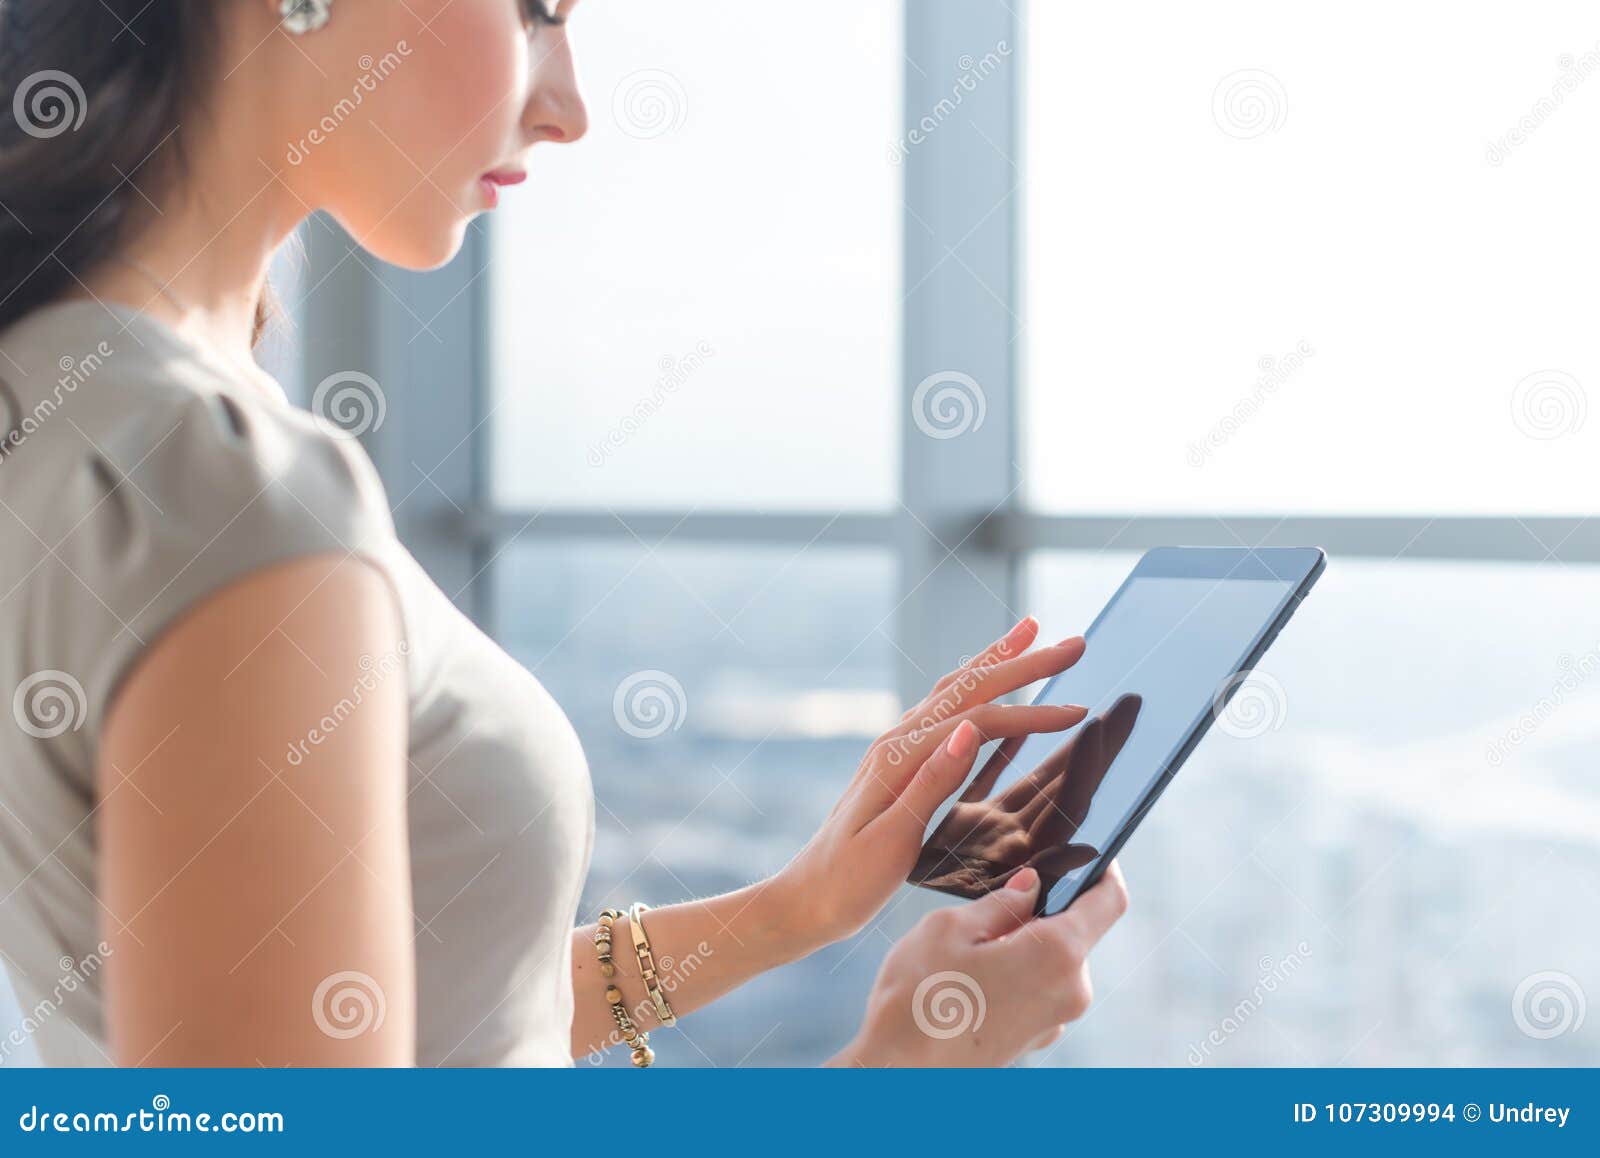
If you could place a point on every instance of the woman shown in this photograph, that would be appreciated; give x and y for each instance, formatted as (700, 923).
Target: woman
(200, 579)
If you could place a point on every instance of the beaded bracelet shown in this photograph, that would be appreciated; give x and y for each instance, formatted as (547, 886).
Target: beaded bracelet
(638, 1041)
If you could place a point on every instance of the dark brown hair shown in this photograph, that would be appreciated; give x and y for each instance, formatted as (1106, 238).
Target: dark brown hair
(94, 95)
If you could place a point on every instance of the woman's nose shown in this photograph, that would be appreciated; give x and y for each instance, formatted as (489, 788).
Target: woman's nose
(556, 111)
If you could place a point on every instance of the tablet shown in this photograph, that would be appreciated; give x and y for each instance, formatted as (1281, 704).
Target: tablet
(1163, 660)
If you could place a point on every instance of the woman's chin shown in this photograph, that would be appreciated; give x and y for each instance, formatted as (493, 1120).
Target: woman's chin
(417, 246)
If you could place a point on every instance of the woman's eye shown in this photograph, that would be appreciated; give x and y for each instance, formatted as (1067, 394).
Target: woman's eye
(539, 13)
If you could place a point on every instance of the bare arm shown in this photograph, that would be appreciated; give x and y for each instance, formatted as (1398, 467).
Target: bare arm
(255, 876)
(703, 950)
(850, 868)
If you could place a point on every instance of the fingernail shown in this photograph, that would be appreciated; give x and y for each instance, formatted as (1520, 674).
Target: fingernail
(1023, 879)
(1023, 625)
(1070, 640)
(959, 745)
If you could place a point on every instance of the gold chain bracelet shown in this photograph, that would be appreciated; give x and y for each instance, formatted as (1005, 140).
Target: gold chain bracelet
(647, 964)
(638, 1041)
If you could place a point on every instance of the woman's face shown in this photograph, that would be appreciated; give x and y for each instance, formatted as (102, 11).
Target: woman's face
(407, 119)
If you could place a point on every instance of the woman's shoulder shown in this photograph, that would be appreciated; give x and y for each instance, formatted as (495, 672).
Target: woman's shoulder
(140, 476)
(118, 419)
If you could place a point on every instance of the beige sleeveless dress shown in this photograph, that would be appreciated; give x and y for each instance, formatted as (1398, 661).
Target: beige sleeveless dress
(140, 474)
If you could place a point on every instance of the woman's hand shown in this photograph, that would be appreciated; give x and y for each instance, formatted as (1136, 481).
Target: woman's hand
(870, 841)
(983, 983)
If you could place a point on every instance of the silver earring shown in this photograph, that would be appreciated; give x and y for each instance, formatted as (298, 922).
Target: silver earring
(302, 16)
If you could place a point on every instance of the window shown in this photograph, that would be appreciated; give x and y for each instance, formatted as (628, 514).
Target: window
(850, 336)
(695, 306)
(1311, 265)
(1280, 270)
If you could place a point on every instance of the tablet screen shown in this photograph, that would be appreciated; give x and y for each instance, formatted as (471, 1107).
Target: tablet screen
(1156, 659)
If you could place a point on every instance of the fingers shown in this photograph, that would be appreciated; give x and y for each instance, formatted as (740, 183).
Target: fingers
(993, 721)
(940, 775)
(1003, 911)
(894, 762)
(1087, 918)
(983, 783)
(1013, 643)
(979, 683)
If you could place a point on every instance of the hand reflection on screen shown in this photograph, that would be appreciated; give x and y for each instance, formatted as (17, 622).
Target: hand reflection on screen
(982, 841)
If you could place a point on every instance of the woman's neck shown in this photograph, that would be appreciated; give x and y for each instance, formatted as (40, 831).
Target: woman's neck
(199, 259)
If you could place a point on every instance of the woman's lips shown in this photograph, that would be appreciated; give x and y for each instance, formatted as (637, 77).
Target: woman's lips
(492, 183)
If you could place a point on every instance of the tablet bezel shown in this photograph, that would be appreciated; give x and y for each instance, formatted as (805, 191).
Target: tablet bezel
(1301, 566)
